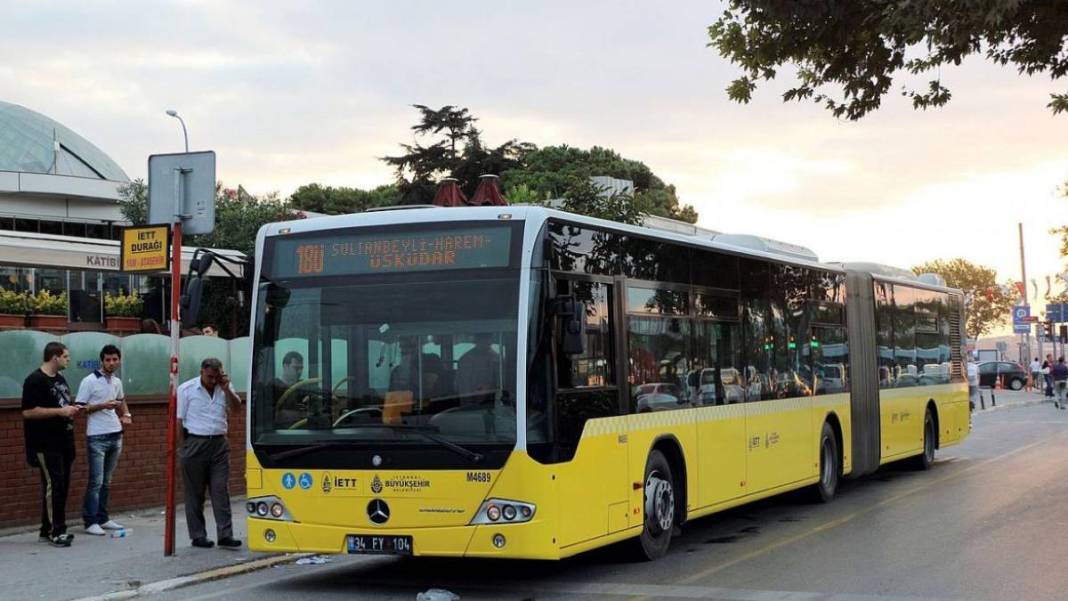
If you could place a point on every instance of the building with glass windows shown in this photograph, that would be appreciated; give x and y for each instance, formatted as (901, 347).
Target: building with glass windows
(53, 181)
(60, 220)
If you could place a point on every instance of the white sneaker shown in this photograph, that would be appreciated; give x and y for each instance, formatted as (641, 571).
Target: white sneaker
(112, 525)
(95, 530)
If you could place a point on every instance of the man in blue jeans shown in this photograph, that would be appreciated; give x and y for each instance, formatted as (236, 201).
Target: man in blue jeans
(105, 404)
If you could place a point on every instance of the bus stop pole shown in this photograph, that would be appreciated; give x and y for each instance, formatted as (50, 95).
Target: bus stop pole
(172, 404)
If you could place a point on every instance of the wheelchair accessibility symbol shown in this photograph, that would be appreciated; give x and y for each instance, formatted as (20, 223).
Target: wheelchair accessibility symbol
(305, 481)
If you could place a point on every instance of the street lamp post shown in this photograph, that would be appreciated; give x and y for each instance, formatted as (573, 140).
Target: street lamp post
(172, 405)
(185, 134)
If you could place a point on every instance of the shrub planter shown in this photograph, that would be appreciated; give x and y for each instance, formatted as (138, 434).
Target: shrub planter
(123, 324)
(12, 320)
(48, 322)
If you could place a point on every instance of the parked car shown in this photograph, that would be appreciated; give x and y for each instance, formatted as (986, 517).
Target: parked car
(1013, 376)
(831, 378)
(659, 396)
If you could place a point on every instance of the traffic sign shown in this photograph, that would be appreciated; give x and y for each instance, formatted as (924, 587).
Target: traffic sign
(1057, 312)
(1020, 322)
(181, 187)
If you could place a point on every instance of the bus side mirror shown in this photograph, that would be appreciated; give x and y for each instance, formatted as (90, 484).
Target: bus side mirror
(571, 313)
(190, 301)
(194, 288)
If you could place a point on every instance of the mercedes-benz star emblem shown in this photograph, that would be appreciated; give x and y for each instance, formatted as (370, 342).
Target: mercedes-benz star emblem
(378, 511)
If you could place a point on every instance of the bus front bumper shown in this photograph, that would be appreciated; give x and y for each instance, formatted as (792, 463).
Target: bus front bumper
(529, 540)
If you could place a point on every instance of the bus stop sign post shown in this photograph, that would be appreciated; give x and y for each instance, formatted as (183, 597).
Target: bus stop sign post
(181, 192)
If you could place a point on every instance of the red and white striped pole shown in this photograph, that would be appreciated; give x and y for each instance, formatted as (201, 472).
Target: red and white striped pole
(172, 405)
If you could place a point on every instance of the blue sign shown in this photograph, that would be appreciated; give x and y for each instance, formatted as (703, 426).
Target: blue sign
(1020, 322)
(305, 481)
(1057, 313)
(288, 481)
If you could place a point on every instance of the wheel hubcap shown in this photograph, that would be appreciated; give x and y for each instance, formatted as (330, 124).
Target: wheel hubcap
(928, 441)
(659, 502)
(827, 460)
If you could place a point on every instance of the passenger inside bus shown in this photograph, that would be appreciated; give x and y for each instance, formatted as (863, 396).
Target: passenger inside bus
(478, 372)
(421, 374)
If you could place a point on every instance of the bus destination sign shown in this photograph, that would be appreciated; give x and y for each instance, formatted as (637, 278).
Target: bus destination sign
(365, 254)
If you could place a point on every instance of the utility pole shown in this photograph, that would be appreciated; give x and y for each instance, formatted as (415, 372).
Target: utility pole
(1023, 274)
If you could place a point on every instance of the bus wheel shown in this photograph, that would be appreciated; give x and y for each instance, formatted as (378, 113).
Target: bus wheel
(827, 486)
(659, 508)
(924, 460)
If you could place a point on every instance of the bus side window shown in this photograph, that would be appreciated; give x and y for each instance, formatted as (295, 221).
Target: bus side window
(595, 366)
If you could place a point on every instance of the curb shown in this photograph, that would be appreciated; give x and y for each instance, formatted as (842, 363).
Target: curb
(153, 588)
(1011, 405)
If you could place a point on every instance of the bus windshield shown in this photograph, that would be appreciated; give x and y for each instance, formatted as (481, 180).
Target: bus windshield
(412, 359)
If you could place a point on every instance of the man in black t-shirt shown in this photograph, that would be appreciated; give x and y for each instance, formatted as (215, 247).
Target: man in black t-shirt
(48, 413)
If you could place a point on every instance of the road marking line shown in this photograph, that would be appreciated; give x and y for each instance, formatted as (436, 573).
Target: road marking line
(660, 591)
(847, 518)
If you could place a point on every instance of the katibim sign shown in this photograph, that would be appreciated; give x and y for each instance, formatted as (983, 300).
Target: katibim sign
(145, 248)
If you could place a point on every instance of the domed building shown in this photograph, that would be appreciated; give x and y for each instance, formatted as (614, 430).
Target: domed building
(59, 213)
(54, 181)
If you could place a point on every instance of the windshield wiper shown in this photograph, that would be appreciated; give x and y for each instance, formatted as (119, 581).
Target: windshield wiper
(318, 446)
(426, 433)
(421, 430)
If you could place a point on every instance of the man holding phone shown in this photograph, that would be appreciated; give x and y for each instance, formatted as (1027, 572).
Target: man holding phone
(203, 404)
(105, 406)
(48, 420)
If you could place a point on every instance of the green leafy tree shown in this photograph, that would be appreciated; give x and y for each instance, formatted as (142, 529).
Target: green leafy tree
(341, 200)
(858, 46)
(991, 304)
(447, 145)
(133, 201)
(564, 172)
(238, 216)
(585, 197)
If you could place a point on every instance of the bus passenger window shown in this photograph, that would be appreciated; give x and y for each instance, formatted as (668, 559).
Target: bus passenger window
(593, 368)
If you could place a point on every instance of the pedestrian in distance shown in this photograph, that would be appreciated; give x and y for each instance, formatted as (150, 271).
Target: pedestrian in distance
(48, 415)
(203, 404)
(106, 411)
(1036, 376)
(973, 382)
(1060, 382)
(1047, 375)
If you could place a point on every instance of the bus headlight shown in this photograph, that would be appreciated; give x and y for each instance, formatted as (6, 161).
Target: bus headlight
(268, 508)
(513, 512)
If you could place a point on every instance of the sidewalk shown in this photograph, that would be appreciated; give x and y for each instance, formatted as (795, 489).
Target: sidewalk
(1009, 398)
(98, 565)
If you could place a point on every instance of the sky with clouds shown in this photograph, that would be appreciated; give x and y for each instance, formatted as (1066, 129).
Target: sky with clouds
(289, 93)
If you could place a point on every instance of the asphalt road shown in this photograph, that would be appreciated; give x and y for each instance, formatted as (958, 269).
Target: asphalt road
(989, 522)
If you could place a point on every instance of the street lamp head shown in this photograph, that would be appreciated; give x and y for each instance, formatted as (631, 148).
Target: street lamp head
(172, 112)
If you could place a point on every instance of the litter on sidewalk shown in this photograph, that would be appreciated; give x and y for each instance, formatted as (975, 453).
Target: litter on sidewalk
(315, 560)
(437, 594)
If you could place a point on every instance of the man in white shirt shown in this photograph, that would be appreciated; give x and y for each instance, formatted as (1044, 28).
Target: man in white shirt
(1036, 375)
(973, 381)
(101, 394)
(203, 404)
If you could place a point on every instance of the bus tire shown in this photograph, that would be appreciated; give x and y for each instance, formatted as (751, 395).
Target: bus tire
(924, 460)
(658, 508)
(830, 466)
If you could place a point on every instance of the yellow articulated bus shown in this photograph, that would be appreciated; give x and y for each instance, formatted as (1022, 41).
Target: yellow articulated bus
(526, 383)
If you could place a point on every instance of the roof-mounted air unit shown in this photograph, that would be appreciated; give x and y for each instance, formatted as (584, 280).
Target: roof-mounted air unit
(767, 245)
